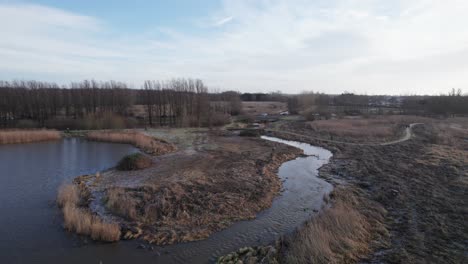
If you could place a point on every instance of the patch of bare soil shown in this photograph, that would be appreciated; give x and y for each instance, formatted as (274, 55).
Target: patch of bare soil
(422, 186)
(188, 195)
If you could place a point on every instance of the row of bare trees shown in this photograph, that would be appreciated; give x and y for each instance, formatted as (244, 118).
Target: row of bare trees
(310, 104)
(451, 104)
(41, 101)
(179, 102)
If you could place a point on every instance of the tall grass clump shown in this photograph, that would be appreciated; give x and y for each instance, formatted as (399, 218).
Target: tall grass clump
(27, 136)
(122, 203)
(336, 236)
(80, 220)
(144, 142)
(339, 234)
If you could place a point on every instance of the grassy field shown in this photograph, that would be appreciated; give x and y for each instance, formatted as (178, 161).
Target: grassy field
(258, 108)
(356, 129)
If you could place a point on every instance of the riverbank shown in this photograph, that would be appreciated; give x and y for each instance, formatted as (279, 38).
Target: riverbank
(411, 197)
(189, 194)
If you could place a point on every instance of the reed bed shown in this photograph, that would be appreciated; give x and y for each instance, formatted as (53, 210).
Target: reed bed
(336, 236)
(27, 136)
(339, 234)
(82, 221)
(144, 142)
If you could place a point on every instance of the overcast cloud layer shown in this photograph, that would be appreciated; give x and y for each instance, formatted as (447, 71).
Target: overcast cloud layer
(363, 46)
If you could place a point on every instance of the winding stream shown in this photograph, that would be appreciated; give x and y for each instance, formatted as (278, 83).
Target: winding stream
(30, 224)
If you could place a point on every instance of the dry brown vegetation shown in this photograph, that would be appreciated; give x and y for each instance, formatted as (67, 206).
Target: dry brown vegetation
(339, 234)
(186, 197)
(421, 184)
(379, 128)
(136, 161)
(257, 108)
(122, 203)
(144, 142)
(27, 136)
(80, 220)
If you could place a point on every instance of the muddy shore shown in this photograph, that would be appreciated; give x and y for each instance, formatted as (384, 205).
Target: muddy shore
(421, 187)
(192, 193)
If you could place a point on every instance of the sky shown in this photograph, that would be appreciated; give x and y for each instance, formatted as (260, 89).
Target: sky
(396, 47)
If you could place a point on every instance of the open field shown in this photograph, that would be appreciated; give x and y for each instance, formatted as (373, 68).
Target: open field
(374, 129)
(27, 136)
(421, 185)
(258, 108)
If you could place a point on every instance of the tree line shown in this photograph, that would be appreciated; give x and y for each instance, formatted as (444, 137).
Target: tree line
(311, 104)
(178, 102)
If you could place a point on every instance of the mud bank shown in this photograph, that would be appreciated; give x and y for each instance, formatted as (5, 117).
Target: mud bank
(186, 196)
(412, 195)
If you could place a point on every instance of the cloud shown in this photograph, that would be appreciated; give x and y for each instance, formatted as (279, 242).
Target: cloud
(223, 21)
(371, 46)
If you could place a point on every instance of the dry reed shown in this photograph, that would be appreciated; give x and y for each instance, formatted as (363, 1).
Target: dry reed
(27, 136)
(340, 234)
(144, 142)
(122, 203)
(80, 220)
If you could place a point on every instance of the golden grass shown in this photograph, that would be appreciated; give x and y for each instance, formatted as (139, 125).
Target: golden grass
(334, 236)
(340, 234)
(257, 108)
(146, 143)
(81, 221)
(381, 127)
(354, 128)
(68, 194)
(121, 203)
(27, 136)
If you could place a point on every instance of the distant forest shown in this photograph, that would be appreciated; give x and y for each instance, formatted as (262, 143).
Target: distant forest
(96, 105)
(185, 102)
(312, 105)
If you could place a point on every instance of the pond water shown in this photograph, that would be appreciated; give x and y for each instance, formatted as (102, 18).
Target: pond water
(30, 223)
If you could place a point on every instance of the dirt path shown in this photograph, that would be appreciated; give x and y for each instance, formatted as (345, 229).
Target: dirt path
(406, 136)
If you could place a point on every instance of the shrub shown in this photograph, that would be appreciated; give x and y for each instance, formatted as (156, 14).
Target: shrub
(135, 161)
(250, 133)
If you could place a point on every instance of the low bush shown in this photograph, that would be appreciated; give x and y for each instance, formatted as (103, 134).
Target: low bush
(250, 133)
(136, 161)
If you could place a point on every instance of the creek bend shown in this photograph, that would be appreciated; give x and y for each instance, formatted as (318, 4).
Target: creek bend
(30, 224)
